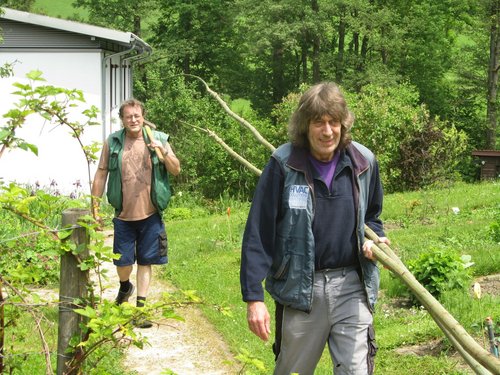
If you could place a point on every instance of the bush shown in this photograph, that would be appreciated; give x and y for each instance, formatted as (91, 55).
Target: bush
(183, 109)
(414, 150)
(495, 228)
(439, 271)
(30, 260)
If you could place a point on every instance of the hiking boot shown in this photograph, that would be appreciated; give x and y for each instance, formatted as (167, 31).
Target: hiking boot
(124, 296)
(142, 323)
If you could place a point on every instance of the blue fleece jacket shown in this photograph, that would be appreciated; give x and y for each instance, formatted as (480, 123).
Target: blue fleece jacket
(297, 225)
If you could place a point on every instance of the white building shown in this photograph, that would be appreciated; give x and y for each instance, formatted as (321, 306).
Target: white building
(72, 55)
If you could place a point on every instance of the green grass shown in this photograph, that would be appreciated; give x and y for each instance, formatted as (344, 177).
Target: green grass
(420, 221)
(205, 259)
(204, 252)
(59, 9)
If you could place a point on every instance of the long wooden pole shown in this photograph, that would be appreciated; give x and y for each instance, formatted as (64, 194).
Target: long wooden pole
(147, 126)
(442, 317)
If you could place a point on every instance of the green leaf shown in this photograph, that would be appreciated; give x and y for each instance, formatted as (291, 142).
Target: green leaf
(4, 133)
(35, 75)
(65, 233)
(88, 312)
(28, 147)
(20, 86)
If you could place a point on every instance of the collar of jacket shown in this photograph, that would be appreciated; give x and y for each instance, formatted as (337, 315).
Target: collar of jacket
(298, 160)
(120, 135)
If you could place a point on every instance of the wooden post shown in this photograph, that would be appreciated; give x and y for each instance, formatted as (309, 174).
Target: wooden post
(73, 284)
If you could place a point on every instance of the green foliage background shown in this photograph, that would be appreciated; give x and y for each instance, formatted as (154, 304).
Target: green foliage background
(415, 74)
(418, 223)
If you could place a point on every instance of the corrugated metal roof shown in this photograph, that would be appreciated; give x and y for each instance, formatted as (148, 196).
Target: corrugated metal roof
(121, 37)
(23, 35)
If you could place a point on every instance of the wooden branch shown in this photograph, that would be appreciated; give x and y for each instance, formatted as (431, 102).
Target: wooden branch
(442, 317)
(151, 138)
(31, 220)
(241, 120)
(228, 149)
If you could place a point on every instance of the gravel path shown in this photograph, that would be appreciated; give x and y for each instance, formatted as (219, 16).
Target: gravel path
(184, 348)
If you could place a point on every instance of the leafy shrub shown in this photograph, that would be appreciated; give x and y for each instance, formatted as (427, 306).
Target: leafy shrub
(30, 260)
(179, 213)
(431, 155)
(439, 271)
(28, 255)
(182, 109)
(414, 150)
(495, 228)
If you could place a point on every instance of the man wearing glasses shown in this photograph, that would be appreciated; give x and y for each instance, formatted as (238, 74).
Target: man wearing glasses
(136, 167)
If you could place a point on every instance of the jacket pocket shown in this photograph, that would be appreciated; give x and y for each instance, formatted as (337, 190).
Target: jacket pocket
(163, 244)
(161, 193)
(113, 161)
(114, 187)
(372, 350)
(283, 268)
(286, 283)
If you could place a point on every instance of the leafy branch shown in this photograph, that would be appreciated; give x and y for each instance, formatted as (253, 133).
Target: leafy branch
(228, 110)
(109, 323)
(56, 106)
(228, 148)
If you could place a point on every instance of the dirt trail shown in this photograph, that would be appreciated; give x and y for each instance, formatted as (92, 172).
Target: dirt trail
(185, 348)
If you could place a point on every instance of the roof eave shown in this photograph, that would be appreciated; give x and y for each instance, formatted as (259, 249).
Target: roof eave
(76, 27)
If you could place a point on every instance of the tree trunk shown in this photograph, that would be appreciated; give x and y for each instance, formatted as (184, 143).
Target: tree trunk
(303, 59)
(278, 72)
(339, 64)
(493, 66)
(315, 60)
(362, 56)
(355, 44)
(186, 25)
(316, 68)
(137, 25)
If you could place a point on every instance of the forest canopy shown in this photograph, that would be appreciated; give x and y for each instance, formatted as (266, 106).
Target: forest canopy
(420, 76)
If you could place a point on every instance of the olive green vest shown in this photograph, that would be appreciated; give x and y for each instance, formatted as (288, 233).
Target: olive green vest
(160, 187)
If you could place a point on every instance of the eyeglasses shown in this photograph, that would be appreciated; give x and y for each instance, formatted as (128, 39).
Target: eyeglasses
(133, 117)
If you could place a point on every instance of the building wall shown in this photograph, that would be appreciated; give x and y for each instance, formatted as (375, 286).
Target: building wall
(72, 55)
(117, 78)
(60, 159)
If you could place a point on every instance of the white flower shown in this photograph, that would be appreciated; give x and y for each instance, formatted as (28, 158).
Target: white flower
(455, 210)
